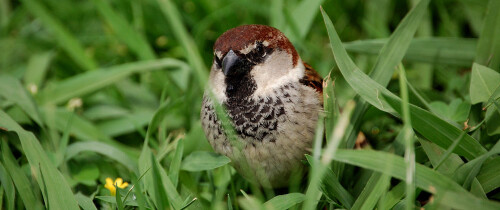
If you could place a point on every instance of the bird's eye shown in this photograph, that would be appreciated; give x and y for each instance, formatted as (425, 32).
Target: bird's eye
(218, 62)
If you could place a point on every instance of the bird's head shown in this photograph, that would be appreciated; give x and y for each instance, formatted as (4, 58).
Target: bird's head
(251, 60)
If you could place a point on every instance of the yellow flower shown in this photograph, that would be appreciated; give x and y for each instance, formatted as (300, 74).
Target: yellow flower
(110, 185)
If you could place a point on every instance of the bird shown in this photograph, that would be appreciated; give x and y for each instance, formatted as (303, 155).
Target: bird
(272, 99)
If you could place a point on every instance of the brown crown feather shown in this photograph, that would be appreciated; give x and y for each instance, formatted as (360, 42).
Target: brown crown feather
(240, 37)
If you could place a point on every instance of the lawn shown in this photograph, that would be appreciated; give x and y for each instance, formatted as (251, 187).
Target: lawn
(100, 104)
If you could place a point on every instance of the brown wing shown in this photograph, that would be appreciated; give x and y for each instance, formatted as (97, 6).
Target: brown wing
(312, 79)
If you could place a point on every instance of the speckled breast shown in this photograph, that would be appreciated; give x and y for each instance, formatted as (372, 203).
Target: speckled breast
(275, 131)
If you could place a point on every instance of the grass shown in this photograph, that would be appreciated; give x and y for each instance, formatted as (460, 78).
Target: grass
(97, 89)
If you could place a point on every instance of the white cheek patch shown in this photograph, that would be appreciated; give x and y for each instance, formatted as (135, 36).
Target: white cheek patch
(276, 71)
(217, 84)
(218, 54)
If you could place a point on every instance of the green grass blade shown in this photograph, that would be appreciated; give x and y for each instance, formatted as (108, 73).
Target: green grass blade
(395, 195)
(489, 176)
(118, 197)
(191, 50)
(37, 69)
(440, 131)
(202, 160)
(488, 47)
(83, 129)
(394, 50)
(175, 165)
(427, 124)
(59, 193)
(20, 180)
(85, 202)
(331, 187)
(390, 55)
(124, 31)
(65, 39)
(85, 83)
(303, 15)
(284, 201)
(408, 137)
(103, 149)
(425, 178)
(434, 50)
(12, 90)
(374, 189)
(7, 186)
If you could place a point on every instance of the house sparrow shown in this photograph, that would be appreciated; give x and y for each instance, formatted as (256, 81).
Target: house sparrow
(272, 99)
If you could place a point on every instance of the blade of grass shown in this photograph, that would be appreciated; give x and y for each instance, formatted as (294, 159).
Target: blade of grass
(82, 84)
(202, 160)
(85, 202)
(59, 193)
(390, 55)
(408, 136)
(83, 129)
(124, 31)
(175, 165)
(65, 39)
(191, 50)
(20, 180)
(118, 197)
(434, 50)
(488, 47)
(303, 15)
(425, 178)
(374, 189)
(489, 176)
(284, 201)
(320, 167)
(103, 149)
(427, 124)
(37, 68)
(7, 186)
(12, 90)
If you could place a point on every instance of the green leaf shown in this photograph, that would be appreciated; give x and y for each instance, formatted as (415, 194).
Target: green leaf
(284, 201)
(483, 83)
(78, 86)
(434, 50)
(456, 111)
(12, 90)
(202, 160)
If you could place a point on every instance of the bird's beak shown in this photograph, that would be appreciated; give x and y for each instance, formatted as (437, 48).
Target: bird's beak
(231, 64)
